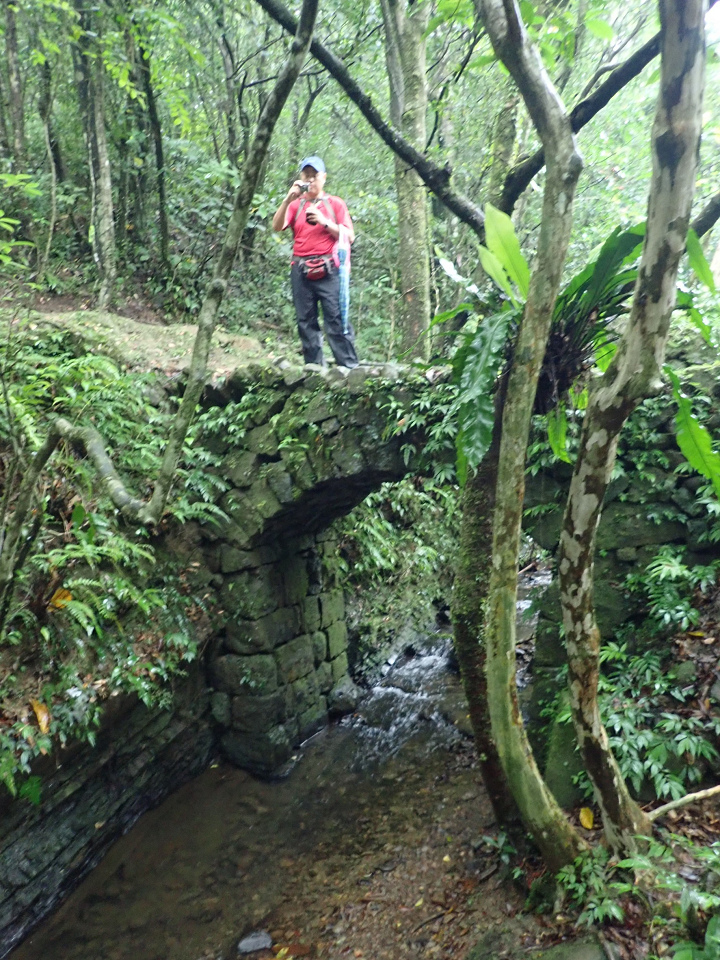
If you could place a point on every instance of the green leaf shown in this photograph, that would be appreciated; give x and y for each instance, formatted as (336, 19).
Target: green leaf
(619, 247)
(698, 262)
(692, 438)
(450, 314)
(494, 269)
(557, 432)
(476, 415)
(601, 28)
(502, 241)
(697, 320)
(30, 790)
(481, 61)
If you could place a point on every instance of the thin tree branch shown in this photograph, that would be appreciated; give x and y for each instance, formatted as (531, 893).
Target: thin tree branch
(682, 802)
(708, 216)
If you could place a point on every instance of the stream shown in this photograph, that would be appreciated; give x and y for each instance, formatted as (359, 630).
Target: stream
(228, 854)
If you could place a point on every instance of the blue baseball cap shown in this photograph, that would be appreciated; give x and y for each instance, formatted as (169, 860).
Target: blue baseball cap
(314, 162)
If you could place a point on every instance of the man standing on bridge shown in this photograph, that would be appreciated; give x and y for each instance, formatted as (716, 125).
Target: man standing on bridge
(323, 232)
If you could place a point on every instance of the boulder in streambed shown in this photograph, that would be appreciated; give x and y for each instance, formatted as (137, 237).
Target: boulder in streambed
(258, 940)
(343, 697)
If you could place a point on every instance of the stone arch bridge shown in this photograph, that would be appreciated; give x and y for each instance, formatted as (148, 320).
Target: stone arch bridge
(297, 448)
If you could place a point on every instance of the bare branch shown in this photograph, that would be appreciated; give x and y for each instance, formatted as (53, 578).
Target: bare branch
(682, 802)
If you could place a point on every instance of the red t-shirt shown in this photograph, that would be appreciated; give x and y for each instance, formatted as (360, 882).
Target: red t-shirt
(310, 238)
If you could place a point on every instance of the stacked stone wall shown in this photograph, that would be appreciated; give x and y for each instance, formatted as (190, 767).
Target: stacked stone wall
(91, 796)
(282, 650)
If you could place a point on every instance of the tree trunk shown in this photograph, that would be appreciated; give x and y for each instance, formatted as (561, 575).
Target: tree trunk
(472, 574)
(44, 108)
(405, 26)
(634, 374)
(89, 71)
(156, 132)
(557, 841)
(17, 111)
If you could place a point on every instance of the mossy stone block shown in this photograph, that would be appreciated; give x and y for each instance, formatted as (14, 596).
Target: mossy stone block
(263, 635)
(318, 409)
(323, 672)
(296, 577)
(549, 647)
(241, 468)
(295, 659)
(623, 525)
(233, 559)
(332, 607)
(255, 675)
(305, 693)
(258, 714)
(346, 453)
(337, 638)
(262, 440)
(220, 708)
(310, 609)
(545, 529)
(320, 647)
(280, 482)
(267, 405)
(339, 667)
(244, 520)
(313, 719)
(562, 763)
(260, 753)
(251, 594)
(300, 469)
(262, 499)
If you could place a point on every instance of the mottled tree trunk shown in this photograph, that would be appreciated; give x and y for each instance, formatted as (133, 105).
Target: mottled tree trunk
(556, 839)
(633, 375)
(405, 25)
(503, 148)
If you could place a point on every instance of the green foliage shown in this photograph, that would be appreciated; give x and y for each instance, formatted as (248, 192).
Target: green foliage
(656, 739)
(693, 438)
(92, 613)
(670, 875)
(710, 949)
(476, 367)
(396, 553)
(669, 588)
(594, 885)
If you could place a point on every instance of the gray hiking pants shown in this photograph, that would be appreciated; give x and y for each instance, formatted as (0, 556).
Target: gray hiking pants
(306, 296)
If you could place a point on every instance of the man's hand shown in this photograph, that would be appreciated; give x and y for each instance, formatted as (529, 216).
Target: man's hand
(295, 191)
(314, 216)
